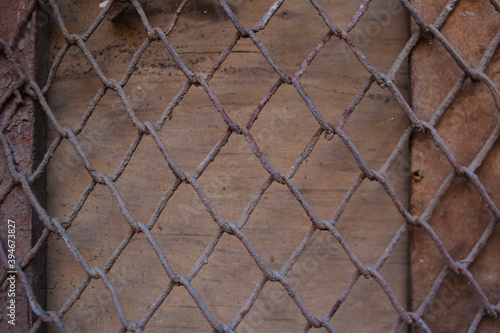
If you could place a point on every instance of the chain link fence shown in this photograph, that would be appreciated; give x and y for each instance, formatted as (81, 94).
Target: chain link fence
(59, 228)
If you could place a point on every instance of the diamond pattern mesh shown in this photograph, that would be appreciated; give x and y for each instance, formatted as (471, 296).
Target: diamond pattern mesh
(327, 130)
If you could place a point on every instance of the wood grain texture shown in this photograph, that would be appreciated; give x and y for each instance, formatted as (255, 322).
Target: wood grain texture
(282, 130)
(461, 217)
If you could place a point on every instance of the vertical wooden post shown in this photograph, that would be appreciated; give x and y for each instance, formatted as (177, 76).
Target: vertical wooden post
(23, 123)
(461, 217)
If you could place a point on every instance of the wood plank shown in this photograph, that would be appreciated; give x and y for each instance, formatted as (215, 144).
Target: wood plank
(461, 217)
(283, 129)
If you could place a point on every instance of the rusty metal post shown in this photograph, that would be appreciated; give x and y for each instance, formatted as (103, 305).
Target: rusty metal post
(23, 51)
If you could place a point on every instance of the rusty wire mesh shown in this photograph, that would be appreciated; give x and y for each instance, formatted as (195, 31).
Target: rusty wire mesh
(326, 131)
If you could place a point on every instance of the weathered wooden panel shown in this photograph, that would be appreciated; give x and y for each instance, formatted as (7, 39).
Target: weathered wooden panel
(461, 217)
(282, 130)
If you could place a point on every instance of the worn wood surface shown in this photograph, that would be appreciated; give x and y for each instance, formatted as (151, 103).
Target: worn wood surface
(461, 217)
(282, 131)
